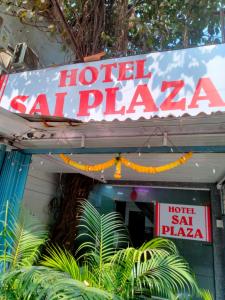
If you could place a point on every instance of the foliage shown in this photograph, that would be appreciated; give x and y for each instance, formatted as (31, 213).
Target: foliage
(20, 241)
(122, 27)
(32, 12)
(170, 24)
(206, 295)
(103, 268)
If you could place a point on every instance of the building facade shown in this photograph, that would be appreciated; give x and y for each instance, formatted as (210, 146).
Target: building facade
(95, 111)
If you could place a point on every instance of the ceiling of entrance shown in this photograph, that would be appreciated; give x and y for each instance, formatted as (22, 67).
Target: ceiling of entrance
(25, 133)
(206, 168)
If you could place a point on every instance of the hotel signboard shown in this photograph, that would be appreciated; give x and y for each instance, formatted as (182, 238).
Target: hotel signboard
(188, 81)
(189, 222)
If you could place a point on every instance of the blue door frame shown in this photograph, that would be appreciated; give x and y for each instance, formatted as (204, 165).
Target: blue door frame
(113, 150)
(2, 155)
(14, 167)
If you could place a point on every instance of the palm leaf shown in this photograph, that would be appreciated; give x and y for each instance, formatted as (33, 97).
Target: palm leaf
(163, 276)
(127, 258)
(153, 270)
(23, 240)
(160, 244)
(61, 260)
(28, 235)
(205, 294)
(20, 240)
(101, 235)
(7, 221)
(44, 283)
(157, 246)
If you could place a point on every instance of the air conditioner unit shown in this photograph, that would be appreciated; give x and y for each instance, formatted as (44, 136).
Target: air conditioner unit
(5, 59)
(24, 58)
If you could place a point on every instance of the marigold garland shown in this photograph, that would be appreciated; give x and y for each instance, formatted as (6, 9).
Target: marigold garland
(90, 168)
(152, 170)
(117, 174)
(126, 162)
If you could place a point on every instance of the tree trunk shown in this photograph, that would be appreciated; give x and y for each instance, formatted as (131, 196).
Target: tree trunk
(76, 188)
(121, 27)
(185, 36)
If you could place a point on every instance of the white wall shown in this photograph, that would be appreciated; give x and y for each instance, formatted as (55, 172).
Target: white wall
(40, 188)
(48, 47)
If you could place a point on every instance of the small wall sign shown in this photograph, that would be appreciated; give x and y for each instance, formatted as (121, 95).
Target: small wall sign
(183, 222)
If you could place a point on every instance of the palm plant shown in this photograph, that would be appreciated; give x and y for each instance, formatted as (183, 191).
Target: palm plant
(154, 268)
(103, 268)
(20, 241)
(206, 295)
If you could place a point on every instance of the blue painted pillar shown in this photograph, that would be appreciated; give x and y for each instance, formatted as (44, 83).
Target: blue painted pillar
(2, 155)
(13, 176)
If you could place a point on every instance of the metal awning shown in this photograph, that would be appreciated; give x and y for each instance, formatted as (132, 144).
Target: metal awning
(94, 142)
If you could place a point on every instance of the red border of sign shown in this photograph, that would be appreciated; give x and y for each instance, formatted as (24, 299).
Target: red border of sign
(206, 223)
(157, 218)
(209, 224)
(3, 85)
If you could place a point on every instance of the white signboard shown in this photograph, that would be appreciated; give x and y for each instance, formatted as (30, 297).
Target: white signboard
(188, 81)
(183, 222)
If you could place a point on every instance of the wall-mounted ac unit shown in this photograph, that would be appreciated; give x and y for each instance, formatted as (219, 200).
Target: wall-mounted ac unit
(24, 58)
(5, 59)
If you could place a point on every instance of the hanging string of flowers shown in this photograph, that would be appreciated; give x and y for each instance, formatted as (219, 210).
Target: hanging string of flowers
(88, 168)
(153, 170)
(118, 161)
(117, 174)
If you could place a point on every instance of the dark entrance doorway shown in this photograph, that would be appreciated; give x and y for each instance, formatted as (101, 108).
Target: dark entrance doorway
(136, 227)
(139, 218)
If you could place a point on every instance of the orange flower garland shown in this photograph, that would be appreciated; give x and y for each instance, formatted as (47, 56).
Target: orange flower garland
(90, 168)
(126, 162)
(152, 170)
